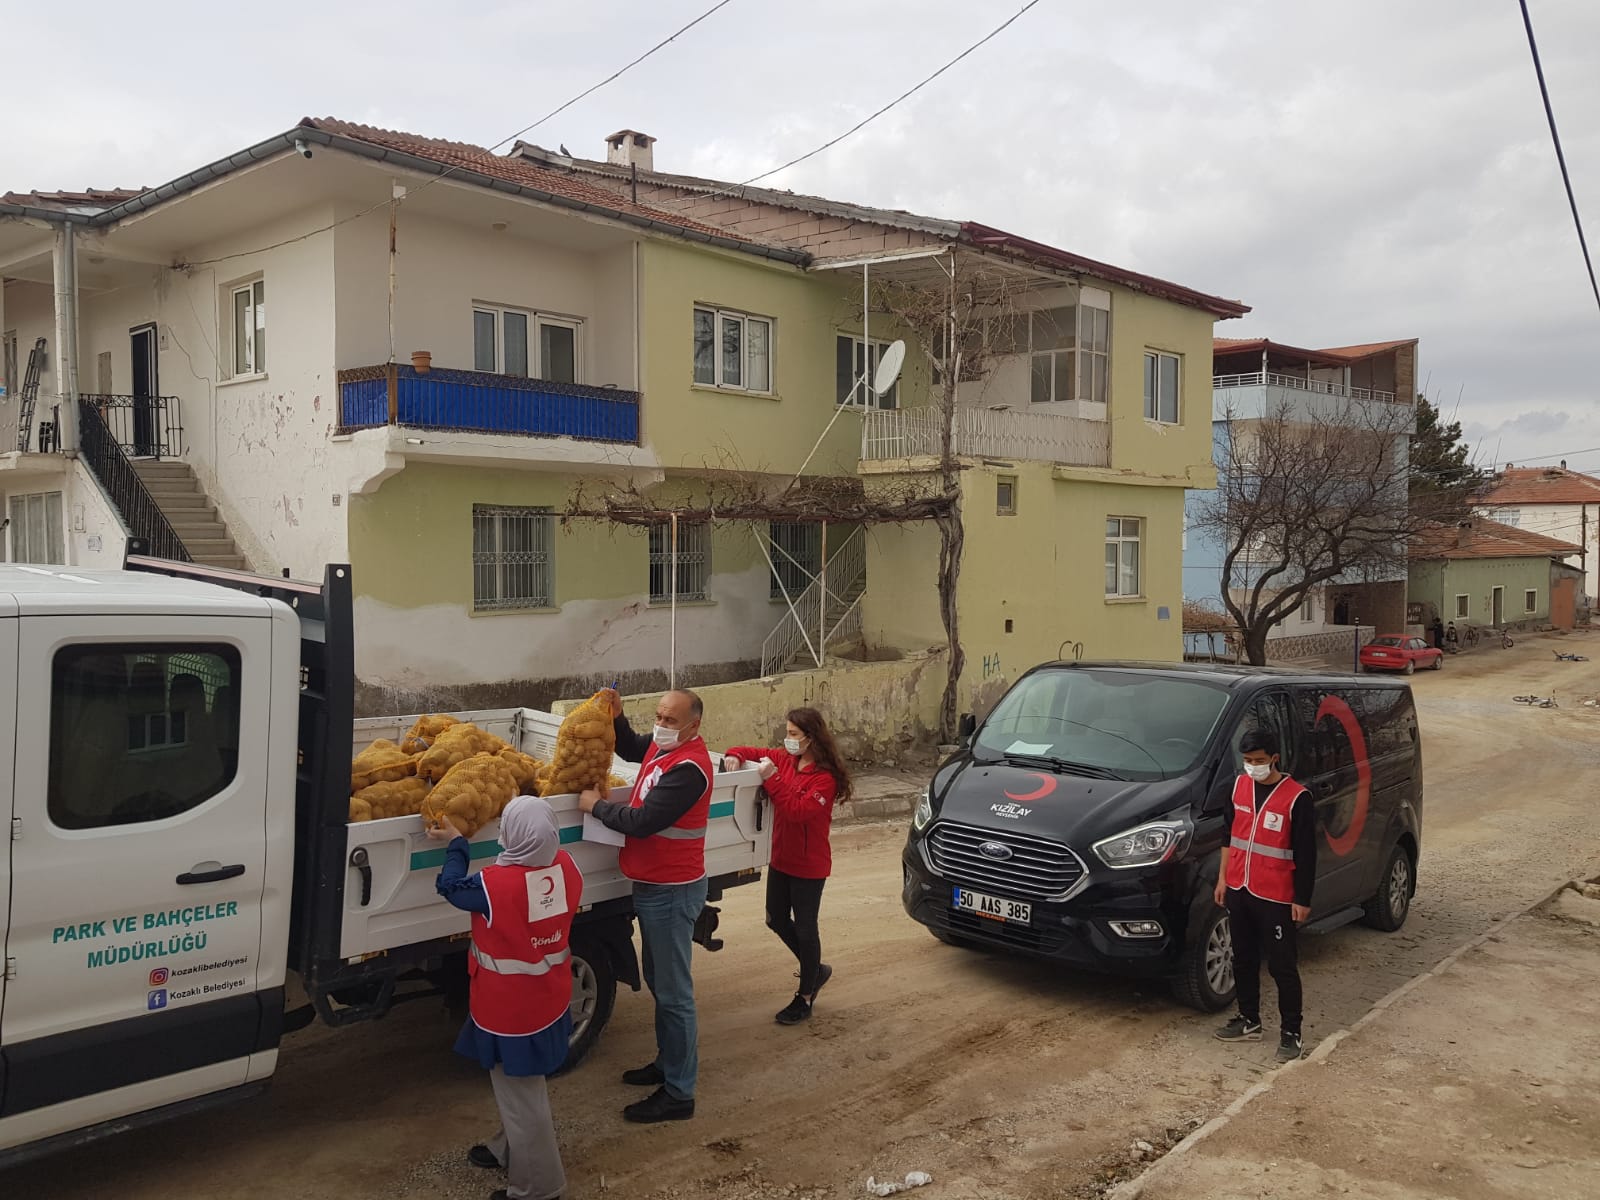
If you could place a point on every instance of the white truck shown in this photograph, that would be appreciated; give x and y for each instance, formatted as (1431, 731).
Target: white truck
(181, 861)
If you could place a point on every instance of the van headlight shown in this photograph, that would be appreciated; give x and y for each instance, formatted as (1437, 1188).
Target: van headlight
(1145, 845)
(923, 813)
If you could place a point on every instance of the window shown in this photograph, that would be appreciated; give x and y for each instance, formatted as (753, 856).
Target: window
(1463, 607)
(1005, 495)
(1161, 387)
(501, 346)
(1122, 556)
(1051, 334)
(1094, 353)
(694, 562)
(140, 732)
(1509, 516)
(850, 361)
(37, 532)
(511, 558)
(1308, 609)
(796, 550)
(1069, 349)
(732, 350)
(248, 305)
(1530, 601)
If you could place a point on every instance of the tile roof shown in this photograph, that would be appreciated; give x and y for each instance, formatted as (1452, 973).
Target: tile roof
(1486, 539)
(1368, 349)
(1541, 485)
(88, 198)
(1343, 354)
(510, 168)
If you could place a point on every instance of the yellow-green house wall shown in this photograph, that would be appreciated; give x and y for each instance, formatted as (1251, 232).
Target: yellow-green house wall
(1182, 451)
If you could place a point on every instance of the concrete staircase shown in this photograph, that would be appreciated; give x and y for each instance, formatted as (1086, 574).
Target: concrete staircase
(189, 511)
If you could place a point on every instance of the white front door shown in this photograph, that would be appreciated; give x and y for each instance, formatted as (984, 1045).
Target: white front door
(138, 868)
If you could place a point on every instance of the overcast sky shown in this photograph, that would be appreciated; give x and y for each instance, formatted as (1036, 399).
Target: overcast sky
(1354, 171)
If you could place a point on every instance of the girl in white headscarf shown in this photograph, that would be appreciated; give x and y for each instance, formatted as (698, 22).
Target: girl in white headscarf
(522, 907)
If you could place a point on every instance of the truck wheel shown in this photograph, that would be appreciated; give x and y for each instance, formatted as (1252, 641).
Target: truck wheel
(1387, 910)
(594, 994)
(1205, 977)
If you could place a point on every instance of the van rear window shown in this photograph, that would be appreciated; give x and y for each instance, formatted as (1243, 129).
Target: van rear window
(140, 732)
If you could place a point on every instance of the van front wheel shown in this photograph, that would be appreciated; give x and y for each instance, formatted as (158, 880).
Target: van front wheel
(1205, 977)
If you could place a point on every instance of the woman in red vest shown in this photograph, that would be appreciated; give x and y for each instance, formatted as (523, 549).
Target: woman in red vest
(805, 779)
(520, 964)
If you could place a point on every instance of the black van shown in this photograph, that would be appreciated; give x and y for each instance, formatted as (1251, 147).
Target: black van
(1082, 820)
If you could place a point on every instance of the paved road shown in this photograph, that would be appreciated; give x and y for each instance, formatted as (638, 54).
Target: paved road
(1001, 1077)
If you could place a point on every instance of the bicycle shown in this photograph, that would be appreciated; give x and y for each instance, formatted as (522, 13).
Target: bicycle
(1505, 639)
(1560, 657)
(1470, 638)
(1536, 701)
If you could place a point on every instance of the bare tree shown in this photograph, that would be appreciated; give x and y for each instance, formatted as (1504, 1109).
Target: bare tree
(1308, 493)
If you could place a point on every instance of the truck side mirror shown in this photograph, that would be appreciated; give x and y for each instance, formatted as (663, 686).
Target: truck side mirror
(967, 727)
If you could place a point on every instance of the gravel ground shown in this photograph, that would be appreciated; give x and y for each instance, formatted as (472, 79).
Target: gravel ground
(1002, 1078)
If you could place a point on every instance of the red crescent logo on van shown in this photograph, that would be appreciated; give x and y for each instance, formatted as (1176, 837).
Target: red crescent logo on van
(1334, 707)
(1047, 784)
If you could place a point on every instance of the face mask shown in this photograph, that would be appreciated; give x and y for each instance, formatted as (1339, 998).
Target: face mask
(792, 745)
(1260, 772)
(664, 738)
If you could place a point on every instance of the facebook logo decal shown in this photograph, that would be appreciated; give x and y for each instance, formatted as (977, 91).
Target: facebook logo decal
(157, 1000)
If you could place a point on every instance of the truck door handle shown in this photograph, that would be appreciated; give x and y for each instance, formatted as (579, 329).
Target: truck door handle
(215, 875)
(359, 859)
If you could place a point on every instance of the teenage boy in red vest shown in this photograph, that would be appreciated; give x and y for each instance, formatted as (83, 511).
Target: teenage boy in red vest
(1265, 880)
(665, 856)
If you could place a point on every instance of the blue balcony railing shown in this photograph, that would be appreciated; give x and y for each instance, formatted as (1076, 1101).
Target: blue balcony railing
(477, 402)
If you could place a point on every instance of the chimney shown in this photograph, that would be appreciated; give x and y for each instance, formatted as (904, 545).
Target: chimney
(630, 148)
(1463, 534)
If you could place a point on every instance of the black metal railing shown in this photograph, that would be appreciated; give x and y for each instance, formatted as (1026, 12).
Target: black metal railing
(143, 426)
(114, 470)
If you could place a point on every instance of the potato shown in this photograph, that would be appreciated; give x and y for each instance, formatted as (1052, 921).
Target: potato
(455, 745)
(525, 767)
(360, 810)
(425, 732)
(584, 745)
(473, 792)
(381, 762)
(397, 798)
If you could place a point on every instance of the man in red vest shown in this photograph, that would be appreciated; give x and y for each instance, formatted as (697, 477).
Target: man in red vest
(1265, 880)
(665, 855)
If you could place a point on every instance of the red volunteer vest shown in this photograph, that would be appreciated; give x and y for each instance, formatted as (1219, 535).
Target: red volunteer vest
(521, 961)
(1262, 861)
(678, 853)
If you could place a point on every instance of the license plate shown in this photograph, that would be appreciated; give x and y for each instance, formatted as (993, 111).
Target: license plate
(995, 908)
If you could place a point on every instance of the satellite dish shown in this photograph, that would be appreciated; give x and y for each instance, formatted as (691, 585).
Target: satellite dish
(889, 368)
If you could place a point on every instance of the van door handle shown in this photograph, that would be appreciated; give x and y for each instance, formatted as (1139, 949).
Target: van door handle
(215, 875)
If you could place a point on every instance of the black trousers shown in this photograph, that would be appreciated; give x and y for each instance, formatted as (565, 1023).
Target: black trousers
(1262, 929)
(793, 905)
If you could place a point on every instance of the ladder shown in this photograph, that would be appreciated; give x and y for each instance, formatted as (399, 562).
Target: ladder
(30, 394)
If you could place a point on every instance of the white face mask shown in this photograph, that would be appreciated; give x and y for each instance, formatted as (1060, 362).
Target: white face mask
(792, 745)
(664, 738)
(1260, 772)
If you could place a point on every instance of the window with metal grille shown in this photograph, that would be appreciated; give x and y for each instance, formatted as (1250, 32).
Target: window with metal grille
(512, 563)
(796, 556)
(693, 559)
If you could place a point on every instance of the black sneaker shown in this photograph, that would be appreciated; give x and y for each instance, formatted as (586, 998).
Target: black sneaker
(482, 1156)
(1240, 1030)
(824, 973)
(799, 1009)
(650, 1076)
(1288, 1047)
(659, 1106)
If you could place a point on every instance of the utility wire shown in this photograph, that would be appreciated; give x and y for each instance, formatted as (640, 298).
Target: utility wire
(555, 112)
(864, 122)
(1561, 158)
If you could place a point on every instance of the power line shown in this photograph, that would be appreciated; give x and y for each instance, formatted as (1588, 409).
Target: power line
(1561, 158)
(555, 112)
(864, 122)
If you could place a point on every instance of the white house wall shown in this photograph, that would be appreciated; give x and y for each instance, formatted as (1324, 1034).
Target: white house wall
(1564, 522)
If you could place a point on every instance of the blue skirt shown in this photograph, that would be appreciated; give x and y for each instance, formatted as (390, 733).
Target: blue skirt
(539, 1053)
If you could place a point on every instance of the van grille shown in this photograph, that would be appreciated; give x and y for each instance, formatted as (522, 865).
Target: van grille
(1038, 868)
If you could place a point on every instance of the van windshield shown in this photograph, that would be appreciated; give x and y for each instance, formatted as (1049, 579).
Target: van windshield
(1119, 724)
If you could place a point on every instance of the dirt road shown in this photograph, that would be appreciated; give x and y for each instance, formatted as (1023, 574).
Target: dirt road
(1001, 1077)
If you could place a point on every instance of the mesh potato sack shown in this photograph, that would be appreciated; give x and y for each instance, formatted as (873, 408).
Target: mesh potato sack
(526, 768)
(425, 732)
(381, 762)
(585, 744)
(455, 745)
(398, 798)
(360, 810)
(472, 793)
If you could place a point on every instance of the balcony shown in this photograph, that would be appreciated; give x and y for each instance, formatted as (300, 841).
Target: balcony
(1255, 395)
(478, 402)
(889, 435)
(143, 426)
(1256, 379)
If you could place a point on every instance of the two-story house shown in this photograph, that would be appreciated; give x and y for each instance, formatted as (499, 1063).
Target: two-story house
(576, 333)
(1257, 379)
(1553, 501)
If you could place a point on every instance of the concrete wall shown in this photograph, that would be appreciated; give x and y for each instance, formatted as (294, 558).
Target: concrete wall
(874, 709)
(1440, 581)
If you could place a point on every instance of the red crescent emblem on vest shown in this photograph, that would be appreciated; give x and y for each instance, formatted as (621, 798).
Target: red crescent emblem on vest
(1334, 707)
(1047, 784)
(549, 884)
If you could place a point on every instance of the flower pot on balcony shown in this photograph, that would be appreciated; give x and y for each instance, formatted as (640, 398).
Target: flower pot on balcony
(422, 361)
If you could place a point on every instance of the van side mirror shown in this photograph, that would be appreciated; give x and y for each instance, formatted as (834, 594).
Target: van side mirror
(967, 727)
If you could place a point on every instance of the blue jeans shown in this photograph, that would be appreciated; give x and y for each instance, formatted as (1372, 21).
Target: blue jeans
(667, 913)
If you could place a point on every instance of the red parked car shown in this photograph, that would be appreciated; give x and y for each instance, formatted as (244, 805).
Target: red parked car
(1393, 652)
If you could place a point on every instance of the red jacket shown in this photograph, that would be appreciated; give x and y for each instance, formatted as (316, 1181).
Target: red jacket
(802, 806)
